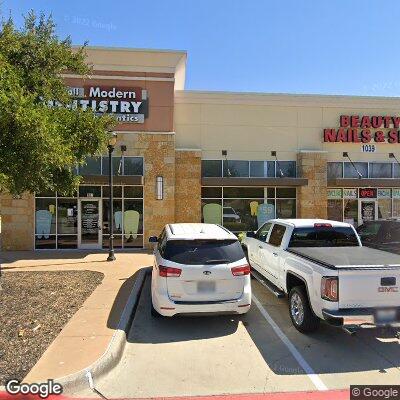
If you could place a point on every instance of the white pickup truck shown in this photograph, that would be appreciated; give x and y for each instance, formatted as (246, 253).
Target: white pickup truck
(327, 274)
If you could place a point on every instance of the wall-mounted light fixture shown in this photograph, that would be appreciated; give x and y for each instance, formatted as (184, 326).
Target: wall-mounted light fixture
(346, 155)
(159, 188)
(281, 174)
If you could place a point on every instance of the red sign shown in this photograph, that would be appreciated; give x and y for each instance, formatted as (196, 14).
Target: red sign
(364, 129)
(368, 193)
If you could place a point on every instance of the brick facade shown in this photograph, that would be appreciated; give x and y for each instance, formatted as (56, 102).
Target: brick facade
(158, 151)
(17, 222)
(312, 199)
(187, 186)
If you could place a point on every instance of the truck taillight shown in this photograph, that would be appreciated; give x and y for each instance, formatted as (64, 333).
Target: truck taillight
(330, 288)
(169, 272)
(240, 271)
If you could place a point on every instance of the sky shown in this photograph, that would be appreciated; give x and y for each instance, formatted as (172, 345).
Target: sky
(346, 47)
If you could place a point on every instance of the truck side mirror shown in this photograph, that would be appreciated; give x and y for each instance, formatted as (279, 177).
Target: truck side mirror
(153, 239)
(250, 234)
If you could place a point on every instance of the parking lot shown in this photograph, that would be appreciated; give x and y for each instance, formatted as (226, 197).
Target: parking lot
(256, 353)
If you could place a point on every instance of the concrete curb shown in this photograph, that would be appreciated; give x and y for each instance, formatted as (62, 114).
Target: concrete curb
(79, 380)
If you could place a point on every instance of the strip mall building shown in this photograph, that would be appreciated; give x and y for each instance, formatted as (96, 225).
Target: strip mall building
(233, 158)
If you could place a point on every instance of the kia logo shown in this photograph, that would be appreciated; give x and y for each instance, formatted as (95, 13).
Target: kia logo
(207, 272)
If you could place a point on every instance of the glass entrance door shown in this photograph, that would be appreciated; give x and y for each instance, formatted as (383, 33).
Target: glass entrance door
(89, 224)
(368, 211)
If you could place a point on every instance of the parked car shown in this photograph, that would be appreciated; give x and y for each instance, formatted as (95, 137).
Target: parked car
(326, 272)
(381, 234)
(231, 215)
(198, 269)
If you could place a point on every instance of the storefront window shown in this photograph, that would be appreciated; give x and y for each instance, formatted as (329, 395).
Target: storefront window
(45, 217)
(396, 208)
(396, 171)
(242, 209)
(285, 208)
(116, 164)
(384, 208)
(288, 169)
(211, 168)
(117, 191)
(350, 171)
(243, 192)
(117, 210)
(67, 241)
(262, 169)
(380, 170)
(211, 192)
(92, 166)
(236, 168)
(350, 214)
(240, 214)
(335, 170)
(67, 216)
(335, 210)
(133, 192)
(56, 218)
(89, 191)
(286, 193)
(133, 165)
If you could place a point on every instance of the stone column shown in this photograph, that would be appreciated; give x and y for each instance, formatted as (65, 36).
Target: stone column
(187, 185)
(312, 199)
(158, 151)
(17, 222)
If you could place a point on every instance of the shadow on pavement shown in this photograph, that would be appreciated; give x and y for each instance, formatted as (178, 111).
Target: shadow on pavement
(147, 329)
(328, 351)
(120, 301)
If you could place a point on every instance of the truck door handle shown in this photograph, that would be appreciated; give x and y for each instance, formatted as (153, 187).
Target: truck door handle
(260, 247)
(275, 254)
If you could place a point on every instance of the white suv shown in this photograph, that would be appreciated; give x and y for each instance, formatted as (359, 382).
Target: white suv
(199, 268)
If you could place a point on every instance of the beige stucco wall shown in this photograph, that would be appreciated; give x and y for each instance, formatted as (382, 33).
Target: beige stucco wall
(249, 126)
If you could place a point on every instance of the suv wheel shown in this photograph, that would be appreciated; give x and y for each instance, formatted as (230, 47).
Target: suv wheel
(300, 311)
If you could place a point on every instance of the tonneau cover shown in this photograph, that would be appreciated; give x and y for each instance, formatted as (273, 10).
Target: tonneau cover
(348, 257)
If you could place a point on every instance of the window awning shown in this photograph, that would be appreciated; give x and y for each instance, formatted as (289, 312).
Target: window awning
(117, 180)
(364, 182)
(254, 181)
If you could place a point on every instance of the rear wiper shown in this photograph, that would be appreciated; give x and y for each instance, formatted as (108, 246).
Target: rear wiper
(217, 261)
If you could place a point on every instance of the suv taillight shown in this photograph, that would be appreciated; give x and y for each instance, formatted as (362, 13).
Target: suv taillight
(240, 271)
(330, 288)
(169, 272)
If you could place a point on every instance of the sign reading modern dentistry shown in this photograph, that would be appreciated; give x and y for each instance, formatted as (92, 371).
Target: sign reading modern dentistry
(365, 129)
(128, 105)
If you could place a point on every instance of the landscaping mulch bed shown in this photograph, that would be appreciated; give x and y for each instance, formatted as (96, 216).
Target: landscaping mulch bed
(34, 307)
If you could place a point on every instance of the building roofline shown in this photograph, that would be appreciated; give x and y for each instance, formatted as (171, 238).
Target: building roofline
(131, 49)
(285, 99)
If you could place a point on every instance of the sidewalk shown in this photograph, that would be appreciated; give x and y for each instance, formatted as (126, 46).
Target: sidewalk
(86, 336)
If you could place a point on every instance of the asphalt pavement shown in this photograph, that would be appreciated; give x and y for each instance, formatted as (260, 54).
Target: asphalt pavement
(259, 352)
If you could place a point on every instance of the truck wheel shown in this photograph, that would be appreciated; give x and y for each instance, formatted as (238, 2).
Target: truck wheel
(300, 311)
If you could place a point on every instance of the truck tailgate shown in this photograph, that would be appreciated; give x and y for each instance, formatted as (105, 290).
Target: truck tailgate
(361, 287)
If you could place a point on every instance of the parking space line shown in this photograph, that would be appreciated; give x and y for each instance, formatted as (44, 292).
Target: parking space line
(315, 379)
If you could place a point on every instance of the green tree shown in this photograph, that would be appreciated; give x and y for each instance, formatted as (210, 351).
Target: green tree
(41, 145)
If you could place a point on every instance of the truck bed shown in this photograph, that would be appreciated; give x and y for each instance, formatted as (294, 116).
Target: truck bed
(347, 257)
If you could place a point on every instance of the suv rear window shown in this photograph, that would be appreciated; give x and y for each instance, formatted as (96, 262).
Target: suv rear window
(323, 237)
(200, 252)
